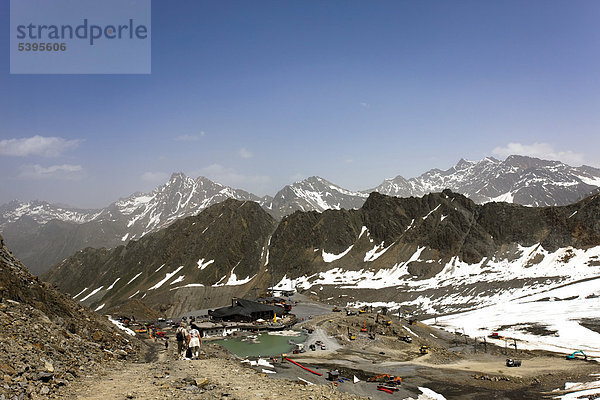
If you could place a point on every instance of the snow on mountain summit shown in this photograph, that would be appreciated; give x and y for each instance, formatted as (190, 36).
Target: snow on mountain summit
(42, 234)
(179, 197)
(518, 179)
(314, 193)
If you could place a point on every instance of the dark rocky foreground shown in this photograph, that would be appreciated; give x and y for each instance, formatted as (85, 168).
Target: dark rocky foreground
(47, 340)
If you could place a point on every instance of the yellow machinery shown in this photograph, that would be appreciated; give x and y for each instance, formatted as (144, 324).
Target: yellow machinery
(351, 335)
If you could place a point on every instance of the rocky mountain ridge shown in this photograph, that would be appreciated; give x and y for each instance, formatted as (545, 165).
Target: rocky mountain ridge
(43, 234)
(313, 194)
(518, 179)
(442, 244)
(210, 255)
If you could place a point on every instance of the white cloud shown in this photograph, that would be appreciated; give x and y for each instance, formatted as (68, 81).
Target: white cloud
(540, 150)
(64, 171)
(36, 146)
(231, 177)
(365, 105)
(155, 177)
(245, 153)
(190, 138)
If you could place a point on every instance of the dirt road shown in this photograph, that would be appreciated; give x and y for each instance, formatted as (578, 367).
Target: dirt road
(319, 334)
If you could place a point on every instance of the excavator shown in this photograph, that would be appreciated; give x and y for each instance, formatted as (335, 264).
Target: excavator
(351, 335)
(573, 356)
(386, 378)
(364, 328)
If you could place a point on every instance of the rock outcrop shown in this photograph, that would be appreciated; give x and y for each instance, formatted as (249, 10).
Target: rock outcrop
(46, 339)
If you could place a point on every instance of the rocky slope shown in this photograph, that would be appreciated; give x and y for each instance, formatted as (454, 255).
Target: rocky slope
(42, 234)
(199, 260)
(433, 248)
(417, 238)
(46, 339)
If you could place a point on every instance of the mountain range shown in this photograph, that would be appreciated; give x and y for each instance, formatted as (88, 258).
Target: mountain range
(42, 234)
(433, 255)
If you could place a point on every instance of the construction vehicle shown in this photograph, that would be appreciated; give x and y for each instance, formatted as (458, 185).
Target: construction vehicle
(573, 356)
(351, 336)
(364, 328)
(424, 349)
(495, 335)
(336, 309)
(406, 339)
(386, 379)
(513, 363)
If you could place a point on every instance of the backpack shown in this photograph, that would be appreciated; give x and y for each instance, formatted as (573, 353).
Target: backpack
(179, 335)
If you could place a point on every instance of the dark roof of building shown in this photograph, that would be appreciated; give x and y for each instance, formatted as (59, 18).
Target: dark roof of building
(245, 308)
(271, 299)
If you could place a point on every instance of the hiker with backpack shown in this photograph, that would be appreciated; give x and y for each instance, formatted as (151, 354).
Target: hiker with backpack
(182, 337)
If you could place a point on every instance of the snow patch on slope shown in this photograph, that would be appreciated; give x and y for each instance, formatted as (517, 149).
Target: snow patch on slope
(202, 264)
(92, 293)
(330, 257)
(167, 277)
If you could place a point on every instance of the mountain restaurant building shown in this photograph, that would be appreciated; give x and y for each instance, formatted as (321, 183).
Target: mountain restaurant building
(242, 310)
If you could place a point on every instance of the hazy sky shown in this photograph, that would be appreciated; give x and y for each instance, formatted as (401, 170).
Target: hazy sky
(257, 94)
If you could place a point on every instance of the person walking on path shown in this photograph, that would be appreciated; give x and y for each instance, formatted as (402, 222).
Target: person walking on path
(195, 343)
(182, 341)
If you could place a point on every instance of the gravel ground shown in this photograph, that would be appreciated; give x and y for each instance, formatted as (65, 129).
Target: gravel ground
(216, 376)
(330, 343)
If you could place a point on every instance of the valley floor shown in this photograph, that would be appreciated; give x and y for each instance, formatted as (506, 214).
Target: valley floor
(455, 368)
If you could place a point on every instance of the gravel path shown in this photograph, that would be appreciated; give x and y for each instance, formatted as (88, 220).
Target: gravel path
(319, 334)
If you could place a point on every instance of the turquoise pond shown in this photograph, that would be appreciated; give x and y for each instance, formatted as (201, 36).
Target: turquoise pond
(263, 345)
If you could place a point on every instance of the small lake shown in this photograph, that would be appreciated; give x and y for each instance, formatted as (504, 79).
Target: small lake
(263, 344)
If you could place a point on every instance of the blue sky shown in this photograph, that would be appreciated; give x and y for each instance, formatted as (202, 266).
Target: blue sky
(259, 94)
